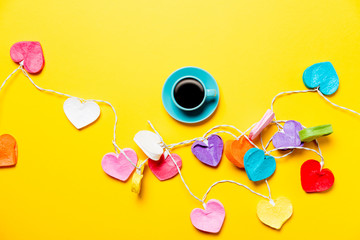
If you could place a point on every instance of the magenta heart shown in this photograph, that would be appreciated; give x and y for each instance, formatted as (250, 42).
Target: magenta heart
(211, 219)
(289, 137)
(117, 165)
(31, 53)
(165, 169)
(209, 153)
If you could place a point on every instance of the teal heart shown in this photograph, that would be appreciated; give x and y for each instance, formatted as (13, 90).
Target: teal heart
(258, 166)
(322, 75)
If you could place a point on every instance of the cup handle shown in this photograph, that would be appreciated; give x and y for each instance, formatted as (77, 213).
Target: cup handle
(211, 93)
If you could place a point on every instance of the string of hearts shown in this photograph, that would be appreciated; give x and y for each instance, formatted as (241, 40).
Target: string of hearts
(258, 163)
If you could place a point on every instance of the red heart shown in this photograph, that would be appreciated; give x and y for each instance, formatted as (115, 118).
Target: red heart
(313, 179)
(165, 169)
(31, 53)
(8, 151)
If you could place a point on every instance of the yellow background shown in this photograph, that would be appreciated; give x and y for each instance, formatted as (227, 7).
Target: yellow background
(122, 51)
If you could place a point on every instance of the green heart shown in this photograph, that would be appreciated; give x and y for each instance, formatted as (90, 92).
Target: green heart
(309, 134)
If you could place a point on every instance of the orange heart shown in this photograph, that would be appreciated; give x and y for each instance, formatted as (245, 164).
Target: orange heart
(235, 150)
(8, 151)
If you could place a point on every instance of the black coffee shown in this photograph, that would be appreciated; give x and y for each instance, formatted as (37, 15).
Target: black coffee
(189, 93)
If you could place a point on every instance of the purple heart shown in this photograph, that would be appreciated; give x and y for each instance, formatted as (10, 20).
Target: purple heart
(209, 153)
(289, 137)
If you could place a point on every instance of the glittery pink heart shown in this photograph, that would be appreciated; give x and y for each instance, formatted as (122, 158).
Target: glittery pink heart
(29, 52)
(211, 219)
(165, 169)
(117, 165)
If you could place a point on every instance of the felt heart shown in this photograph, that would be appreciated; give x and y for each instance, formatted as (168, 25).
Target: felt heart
(310, 134)
(274, 215)
(322, 75)
(29, 52)
(289, 137)
(313, 179)
(81, 114)
(8, 151)
(118, 166)
(210, 151)
(235, 150)
(258, 166)
(260, 126)
(150, 143)
(211, 219)
(165, 168)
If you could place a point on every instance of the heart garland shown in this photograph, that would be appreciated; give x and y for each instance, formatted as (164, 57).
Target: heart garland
(259, 165)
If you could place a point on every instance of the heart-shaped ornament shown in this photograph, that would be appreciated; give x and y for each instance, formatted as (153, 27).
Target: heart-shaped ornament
(289, 137)
(260, 126)
(118, 166)
(150, 144)
(211, 219)
(322, 75)
(313, 179)
(210, 151)
(258, 166)
(81, 114)
(274, 215)
(165, 168)
(235, 150)
(8, 151)
(29, 52)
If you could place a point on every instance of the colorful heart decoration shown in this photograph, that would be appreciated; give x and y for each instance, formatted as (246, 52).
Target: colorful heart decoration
(310, 134)
(81, 114)
(209, 153)
(117, 165)
(313, 179)
(258, 166)
(274, 215)
(29, 52)
(322, 75)
(150, 144)
(260, 126)
(289, 137)
(211, 219)
(235, 150)
(8, 151)
(165, 168)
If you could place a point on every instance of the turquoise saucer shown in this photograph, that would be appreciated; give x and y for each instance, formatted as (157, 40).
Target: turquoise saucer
(205, 110)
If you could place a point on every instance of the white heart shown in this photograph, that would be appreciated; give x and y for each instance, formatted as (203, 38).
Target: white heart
(81, 114)
(150, 143)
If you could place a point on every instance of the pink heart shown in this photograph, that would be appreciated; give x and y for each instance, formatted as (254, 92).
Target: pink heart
(211, 219)
(31, 53)
(117, 166)
(165, 169)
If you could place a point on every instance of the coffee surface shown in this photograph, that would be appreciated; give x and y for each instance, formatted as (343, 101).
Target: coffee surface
(189, 93)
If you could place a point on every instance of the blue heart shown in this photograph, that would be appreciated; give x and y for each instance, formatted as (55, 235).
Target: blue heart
(257, 165)
(322, 75)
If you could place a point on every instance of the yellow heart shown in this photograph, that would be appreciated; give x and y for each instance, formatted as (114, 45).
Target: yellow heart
(274, 215)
